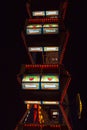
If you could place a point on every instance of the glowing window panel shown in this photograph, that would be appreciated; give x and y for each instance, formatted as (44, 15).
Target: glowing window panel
(32, 102)
(35, 49)
(31, 78)
(33, 31)
(38, 13)
(50, 30)
(34, 26)
(50, 25)
(50, 102)
(52, 13)
(51, 48)
(50, 78)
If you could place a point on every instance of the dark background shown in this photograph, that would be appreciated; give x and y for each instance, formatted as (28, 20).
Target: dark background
(13, 54)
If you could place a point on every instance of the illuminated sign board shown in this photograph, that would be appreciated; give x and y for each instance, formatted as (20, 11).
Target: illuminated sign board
(50, 82)
(42, 102)
(50, 102)
(33, 31)
(29, 86)
(49, 78)
(34, 26)
(31, 78)
(38, 13)
(42, 29)
(46, 13)
(50, 30)
(40, 49)
(50, 25)
(47, 82)
(51, 48)
(30, 82)
(52, 13)
(50, 86)
(32, 102)
(35, 49)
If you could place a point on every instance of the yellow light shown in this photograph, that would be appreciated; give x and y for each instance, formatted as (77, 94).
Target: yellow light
(39, 107)
(28, 106)
(41, 117)
(39, 112)
(80, 107)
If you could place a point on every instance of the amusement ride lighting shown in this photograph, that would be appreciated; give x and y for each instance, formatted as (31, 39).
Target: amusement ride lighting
(51, 102)
(43, 20)
(30, 86)
(49, 86)
(38, 13)
(42, 66)
(32, 49)
(51, 49)
(32, 102)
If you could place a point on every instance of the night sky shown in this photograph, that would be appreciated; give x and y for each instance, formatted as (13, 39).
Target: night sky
(13, 55)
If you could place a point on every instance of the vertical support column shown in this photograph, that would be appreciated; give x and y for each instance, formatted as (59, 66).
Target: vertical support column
(65, 117)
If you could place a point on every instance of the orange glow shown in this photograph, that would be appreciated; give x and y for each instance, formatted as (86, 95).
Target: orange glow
(43, 20)
(41, 66)
(35, 106)
(28, 106)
